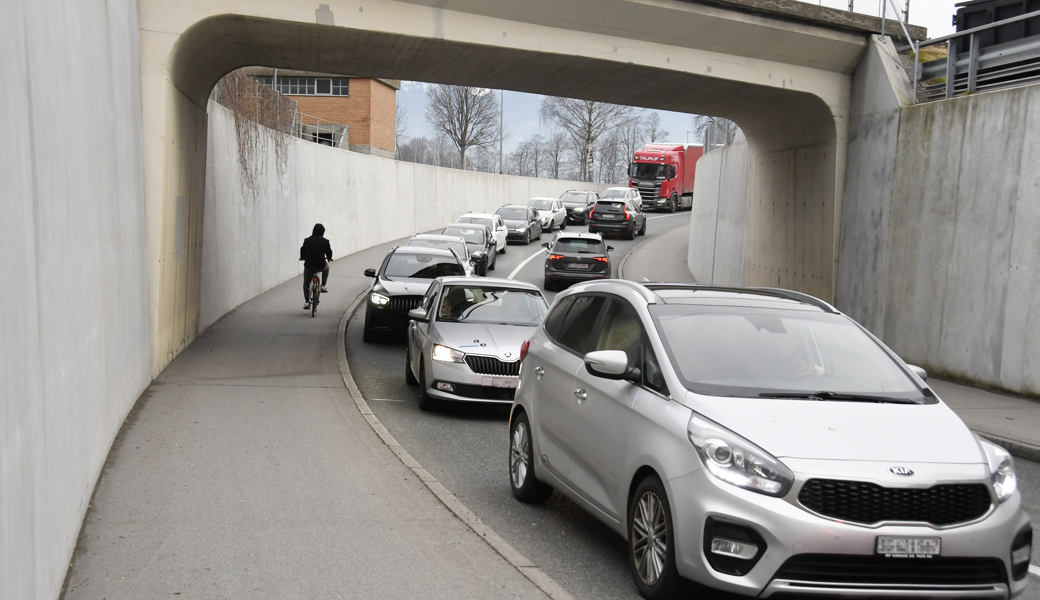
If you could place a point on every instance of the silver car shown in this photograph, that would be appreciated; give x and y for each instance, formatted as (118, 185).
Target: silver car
(464, 339)
(759, 442)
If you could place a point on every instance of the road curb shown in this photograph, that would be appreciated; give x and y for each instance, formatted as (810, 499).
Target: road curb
(518, 561)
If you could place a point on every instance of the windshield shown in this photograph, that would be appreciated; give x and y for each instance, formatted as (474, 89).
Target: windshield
(421, 266)
(491, 305)
(472, 236)
(763, 352)
(646, 171)
(540, 204)
(515, 214)
(575, 198)
(580, 246)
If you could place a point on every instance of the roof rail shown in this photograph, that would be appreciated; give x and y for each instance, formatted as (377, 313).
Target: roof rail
(775, 292)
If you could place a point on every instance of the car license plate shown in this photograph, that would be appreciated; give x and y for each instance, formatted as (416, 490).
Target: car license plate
(611, 217)
(894, 546)
(499, 382)
(579, 266)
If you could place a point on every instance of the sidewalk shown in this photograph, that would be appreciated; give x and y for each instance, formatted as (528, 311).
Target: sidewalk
(1011, 421)
(249, 469)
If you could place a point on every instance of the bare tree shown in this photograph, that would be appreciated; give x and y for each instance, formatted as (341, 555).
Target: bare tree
(555, 149)
(654, 132)
(713, 131)
(467, 116)
(400, 116)
(585, 121)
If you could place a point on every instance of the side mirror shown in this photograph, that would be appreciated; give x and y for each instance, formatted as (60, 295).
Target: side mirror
(920, 372)
(370, 272)
(417, 314)
(611, 364)
(545, 245)
(610, 248)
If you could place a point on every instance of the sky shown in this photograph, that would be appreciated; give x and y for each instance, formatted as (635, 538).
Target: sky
(521, 111)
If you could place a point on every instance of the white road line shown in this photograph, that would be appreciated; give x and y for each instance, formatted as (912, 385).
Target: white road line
(524, 264)
(1035, 570)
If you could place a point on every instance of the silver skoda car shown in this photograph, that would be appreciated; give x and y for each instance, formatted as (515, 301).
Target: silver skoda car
(464, 339)
(759, 442)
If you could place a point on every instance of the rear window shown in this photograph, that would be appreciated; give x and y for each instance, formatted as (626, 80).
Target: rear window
(580, 246)
(614, 193)
(610, 205)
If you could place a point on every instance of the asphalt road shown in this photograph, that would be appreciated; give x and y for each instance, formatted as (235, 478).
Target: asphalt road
(466, 448)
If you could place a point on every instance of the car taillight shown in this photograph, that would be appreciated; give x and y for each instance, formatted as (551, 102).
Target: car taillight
(555, 256)
(523, 349)
(592, 210)
(626, 213)
(601, 259)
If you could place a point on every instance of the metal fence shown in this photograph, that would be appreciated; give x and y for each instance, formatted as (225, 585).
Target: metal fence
(977, 68)
(321, 131)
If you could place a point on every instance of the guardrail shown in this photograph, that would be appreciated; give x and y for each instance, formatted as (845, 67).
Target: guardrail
(321, 131)
(979, 69)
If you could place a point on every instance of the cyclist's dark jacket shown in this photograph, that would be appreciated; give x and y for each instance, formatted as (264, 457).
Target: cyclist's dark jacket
(316, 249)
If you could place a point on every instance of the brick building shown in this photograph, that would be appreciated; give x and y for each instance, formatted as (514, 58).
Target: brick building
(331, 105)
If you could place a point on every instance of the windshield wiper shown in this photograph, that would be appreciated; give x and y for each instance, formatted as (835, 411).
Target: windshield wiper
(836, 397)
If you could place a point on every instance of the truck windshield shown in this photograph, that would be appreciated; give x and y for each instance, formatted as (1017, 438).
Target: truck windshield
(646, 171)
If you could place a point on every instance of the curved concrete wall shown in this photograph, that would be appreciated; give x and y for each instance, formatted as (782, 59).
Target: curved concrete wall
(76, 349)
(251, 239)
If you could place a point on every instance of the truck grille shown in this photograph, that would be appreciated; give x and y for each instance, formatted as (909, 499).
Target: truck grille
(868, 503)
(879, 570)
(489, 365)
(648, 192)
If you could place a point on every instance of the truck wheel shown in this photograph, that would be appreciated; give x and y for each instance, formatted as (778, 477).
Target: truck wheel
(672, 202)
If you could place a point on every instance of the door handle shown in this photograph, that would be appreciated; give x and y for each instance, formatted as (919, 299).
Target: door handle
(580, 394)
(539, 372)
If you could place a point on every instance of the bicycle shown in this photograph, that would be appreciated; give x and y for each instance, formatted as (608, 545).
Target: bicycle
(315, 291)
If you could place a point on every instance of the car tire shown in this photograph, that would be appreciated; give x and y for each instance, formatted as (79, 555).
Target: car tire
(631, 233)
(522, 480)
(426, 402)
(671, 204)
(642, 230)
(563, 225)
(527, 238)
(651, 541)
(547, 284)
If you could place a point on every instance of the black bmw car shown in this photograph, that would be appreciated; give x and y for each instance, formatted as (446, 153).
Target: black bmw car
(400, 284)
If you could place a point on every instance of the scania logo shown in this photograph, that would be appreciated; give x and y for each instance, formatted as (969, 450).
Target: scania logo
(905, 471)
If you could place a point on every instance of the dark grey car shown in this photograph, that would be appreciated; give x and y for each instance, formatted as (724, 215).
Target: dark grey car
(523, 223)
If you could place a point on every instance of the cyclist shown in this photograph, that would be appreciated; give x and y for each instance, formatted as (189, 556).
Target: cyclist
(315, 252)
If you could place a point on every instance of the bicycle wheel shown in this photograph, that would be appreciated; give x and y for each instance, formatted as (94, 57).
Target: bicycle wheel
(315, 294)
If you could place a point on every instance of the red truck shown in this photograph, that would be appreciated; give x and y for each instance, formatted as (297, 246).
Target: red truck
(663, 173)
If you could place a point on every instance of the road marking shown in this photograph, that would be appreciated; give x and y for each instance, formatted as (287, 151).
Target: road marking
(1035, 570)
(524, 263)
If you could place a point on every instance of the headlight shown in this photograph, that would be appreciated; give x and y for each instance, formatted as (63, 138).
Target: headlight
(737, 461)
(1001, 470)
(446, 354)
(379, 299)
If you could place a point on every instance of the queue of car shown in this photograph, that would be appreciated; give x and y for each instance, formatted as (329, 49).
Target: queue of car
(754, 441)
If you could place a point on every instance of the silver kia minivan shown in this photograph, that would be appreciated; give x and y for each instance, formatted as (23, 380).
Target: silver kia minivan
(758, 441)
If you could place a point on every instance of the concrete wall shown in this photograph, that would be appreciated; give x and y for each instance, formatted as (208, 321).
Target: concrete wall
(938, 253)
(252, 238)
(75, 344)
(719, 220)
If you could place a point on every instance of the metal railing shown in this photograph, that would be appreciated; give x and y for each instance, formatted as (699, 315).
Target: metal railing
(997, 66)
(320, 131)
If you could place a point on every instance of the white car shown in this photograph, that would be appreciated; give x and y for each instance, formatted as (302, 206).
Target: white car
(551, 212)
(495, 224)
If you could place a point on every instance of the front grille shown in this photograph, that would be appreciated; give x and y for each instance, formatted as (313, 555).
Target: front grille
(869, 503)
(489, 365)
(648, 193)
(403, 304)
(879, 570)
(485, 392)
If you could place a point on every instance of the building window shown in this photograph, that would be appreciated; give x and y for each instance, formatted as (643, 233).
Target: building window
(308, 86)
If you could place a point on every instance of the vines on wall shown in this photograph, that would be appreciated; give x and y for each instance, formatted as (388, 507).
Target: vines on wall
(263, 118)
